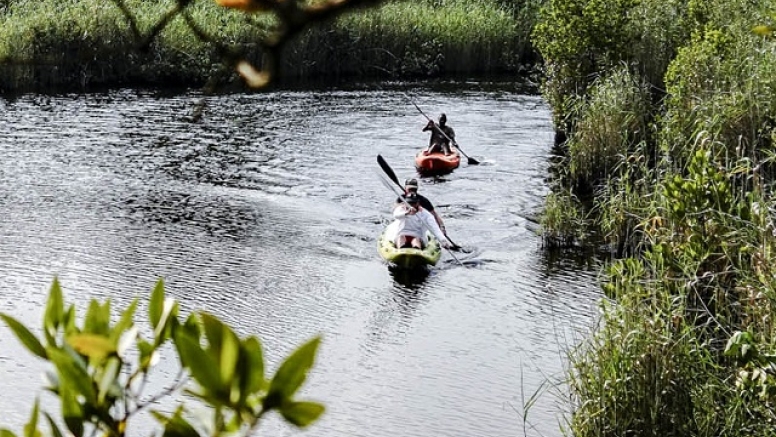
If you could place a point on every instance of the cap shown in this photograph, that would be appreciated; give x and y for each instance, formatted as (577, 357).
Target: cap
(442, 118)
(411, 183)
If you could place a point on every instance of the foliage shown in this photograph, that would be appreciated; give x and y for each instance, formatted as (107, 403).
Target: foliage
(758, 373)
(562, 221)
(577, 39)
(197, 41)
(625, 204)
(661, 29)
(138, 24)
(612, 120)
(715, 89)
(657, 366)
(100, 370)
(686, 346)
(409, 39)
(642, 372)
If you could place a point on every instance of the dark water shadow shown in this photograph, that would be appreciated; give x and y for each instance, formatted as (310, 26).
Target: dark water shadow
(433, 174)
(409, 279)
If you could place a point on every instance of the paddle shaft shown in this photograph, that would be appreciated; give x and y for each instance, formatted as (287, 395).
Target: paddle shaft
(439, 129)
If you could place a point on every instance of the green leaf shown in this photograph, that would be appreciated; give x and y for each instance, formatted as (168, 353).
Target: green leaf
(55, 431)
(55, 311)
(302, 414)
(98, 318)
(69, 320)
(293, 372)
(31, 427)
(214, 331)
(125, 322)
(175, 425)
(6, 433)
(148, 354)
(109, 375)
(191, 326)
(252, 366)
(96, 347)
(233, 425)
(167, 320)
(72, 412)
(25, 336)
(73, 373)
(763, 30)
(203, 366)
(156, 304)
(229, 354)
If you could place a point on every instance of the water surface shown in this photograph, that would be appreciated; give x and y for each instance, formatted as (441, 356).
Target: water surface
(265, 212)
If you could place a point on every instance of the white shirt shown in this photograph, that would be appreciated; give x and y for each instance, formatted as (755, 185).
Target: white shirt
(414, 225)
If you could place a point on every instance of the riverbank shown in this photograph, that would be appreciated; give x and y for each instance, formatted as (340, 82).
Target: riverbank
(88, 44)
(667, 113)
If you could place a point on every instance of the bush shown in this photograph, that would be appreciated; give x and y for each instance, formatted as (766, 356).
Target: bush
(612, 120)
(101, 369)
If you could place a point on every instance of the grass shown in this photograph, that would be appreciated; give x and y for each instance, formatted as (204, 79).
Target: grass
(414, 38)
(87, 42)
(680, 170)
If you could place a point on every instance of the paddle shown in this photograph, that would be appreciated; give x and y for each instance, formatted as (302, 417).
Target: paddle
(392, 175)
(471, 161)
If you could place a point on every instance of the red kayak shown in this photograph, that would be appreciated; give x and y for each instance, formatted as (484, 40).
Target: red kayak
(437, 162)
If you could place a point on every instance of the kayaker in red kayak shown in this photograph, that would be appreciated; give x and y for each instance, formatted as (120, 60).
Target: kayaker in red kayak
(441, 136)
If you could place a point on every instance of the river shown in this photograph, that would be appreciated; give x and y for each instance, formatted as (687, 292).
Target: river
(265, 211)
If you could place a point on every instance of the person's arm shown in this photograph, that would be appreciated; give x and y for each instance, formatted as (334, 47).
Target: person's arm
(430, 127)
(439, 221)
(431, 224)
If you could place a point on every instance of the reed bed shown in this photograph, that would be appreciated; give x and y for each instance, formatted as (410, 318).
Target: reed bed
(421, 39)
(681, 181)
(87, 42)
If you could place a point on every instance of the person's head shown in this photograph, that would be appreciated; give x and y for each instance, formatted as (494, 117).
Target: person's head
(442, 119)
(411, 185)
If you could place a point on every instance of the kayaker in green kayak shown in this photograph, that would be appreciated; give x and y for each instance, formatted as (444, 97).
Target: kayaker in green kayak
(411, 187)
(411, 223)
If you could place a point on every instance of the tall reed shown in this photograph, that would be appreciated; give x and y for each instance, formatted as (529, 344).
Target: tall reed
(88, 42)
(687, 343)
(401, 39)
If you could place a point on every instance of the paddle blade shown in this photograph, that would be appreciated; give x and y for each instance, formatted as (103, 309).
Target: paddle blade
(389, 171)
(473, 161)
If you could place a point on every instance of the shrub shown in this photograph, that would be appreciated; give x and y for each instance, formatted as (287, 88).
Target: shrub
(101, 369)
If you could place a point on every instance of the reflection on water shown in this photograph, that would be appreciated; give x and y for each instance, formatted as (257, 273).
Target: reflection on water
(266, 211)
(409, 279)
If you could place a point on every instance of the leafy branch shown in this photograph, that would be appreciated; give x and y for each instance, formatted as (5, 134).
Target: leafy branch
(101, 370)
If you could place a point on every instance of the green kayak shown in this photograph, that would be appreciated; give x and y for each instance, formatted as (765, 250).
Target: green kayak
(409, 257)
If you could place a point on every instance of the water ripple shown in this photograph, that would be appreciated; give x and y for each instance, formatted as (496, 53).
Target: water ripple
(265, 213)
